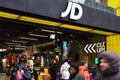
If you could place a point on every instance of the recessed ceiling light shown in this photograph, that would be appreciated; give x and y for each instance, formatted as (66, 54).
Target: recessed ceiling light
(37, 35)
(11, 43)
(28, 38)
(19, 41)
(59, 32)
(45, 30)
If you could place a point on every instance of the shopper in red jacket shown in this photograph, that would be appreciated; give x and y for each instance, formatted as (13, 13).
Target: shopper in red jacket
(12, 60)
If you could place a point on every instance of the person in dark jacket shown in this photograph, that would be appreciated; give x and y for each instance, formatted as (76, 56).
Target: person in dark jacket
(93, 71)
(27, 74)
(109, 65)
(74, 73)
(53, 69)
(13, 72)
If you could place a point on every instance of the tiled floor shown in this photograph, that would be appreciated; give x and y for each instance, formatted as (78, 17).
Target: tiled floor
(3, 76)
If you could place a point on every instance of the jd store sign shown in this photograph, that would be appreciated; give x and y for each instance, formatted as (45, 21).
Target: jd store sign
(74, 9)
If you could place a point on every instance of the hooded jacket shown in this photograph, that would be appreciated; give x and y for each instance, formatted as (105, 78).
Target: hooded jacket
(113, 72)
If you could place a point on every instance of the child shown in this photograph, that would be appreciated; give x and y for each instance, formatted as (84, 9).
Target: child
(20, 72)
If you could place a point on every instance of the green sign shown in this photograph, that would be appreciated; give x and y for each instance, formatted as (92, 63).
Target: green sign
(96, 61)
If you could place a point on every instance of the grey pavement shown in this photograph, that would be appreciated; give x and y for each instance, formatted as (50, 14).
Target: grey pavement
(2, 76)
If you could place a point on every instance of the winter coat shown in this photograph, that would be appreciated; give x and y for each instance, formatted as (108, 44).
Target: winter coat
(116, 76)
(64, 71)
(26, 76)
(19, 75)
(113, 72)
(13, 74)
(12, 59)
(79, 77)
(52, 71)
(84, 71)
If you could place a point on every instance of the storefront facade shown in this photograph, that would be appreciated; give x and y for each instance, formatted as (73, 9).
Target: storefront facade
(67, 15)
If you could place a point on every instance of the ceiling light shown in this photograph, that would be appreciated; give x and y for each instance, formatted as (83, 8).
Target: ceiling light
(21, 46)
(39, 21)
(19, 41)
(28, 38)
(59, 32)
(45, 30)
(45, 44)
(1, 50)
(37, 35)
(8, 15)
(11, 43)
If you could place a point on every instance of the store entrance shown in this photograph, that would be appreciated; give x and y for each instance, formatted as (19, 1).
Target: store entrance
(49, 42)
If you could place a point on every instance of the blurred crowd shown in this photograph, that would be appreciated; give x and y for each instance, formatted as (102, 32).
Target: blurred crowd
(24, 68)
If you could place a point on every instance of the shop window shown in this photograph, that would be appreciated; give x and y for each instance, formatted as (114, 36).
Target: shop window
(101, 1)
(78, 1)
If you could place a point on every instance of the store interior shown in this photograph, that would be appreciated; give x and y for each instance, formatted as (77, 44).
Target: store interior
(48, 41)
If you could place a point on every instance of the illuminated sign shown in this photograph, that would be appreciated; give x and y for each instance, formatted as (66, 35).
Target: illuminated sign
(96, 61)
(52, 36)
(74, 9)
(65, 50)
(95, 47)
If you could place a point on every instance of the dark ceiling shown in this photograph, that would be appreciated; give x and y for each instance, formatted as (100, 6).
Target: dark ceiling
(13, 30)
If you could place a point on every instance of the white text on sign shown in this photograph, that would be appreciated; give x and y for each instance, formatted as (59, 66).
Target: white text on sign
(95, 47)
(74, 9)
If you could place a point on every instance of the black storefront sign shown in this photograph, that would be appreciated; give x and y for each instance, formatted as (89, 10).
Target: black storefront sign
(52, 9)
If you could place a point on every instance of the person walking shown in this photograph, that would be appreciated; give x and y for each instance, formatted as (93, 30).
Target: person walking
(93, 71)
(52, 69)
(64, 70)
(83, 69)
(74, 73)
(109, 65)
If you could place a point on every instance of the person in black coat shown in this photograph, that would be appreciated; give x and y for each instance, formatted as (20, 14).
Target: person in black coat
(74, 73)
(53, 70)
(109, 65)
(93, 71)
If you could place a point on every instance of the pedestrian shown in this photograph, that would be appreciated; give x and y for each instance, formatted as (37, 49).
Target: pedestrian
(93, 70)
(52, 69)
(74, 73)
(109, 65)
(70, 61)
(27, 74)
(83, 69)
(20, 72)
(64, 70)
(13, 73)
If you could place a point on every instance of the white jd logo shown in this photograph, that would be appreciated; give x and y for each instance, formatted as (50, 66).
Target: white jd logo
(71, 8)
